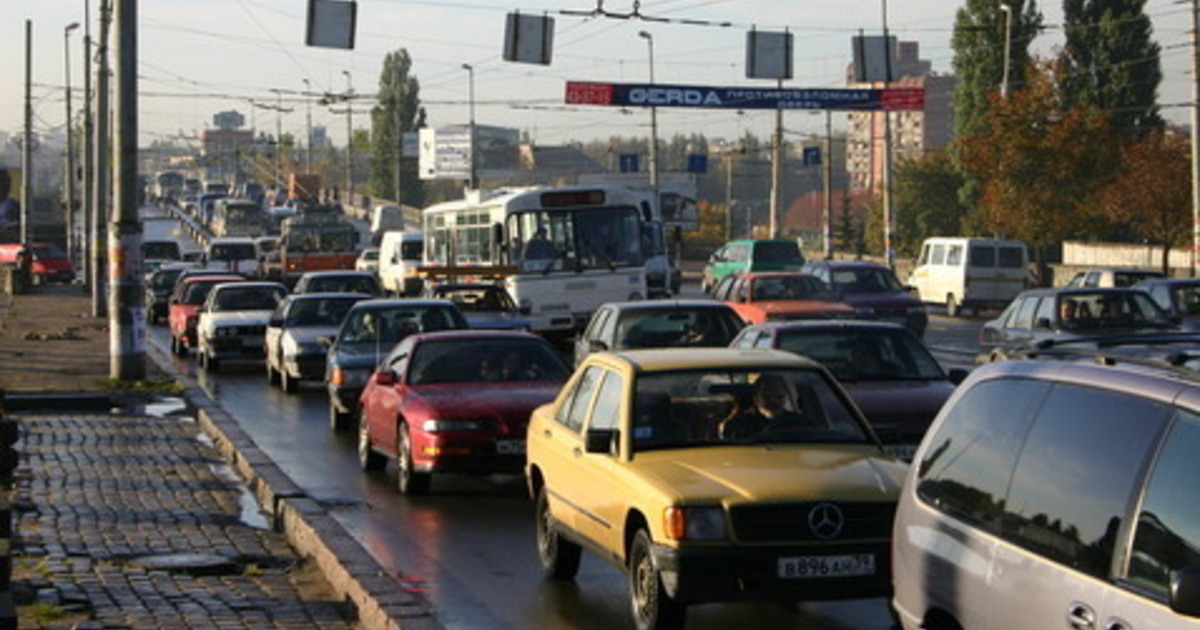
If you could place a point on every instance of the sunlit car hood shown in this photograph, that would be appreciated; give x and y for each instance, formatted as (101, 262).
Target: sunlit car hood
(309, 334)
(239, 318)
(773, 473)
(513, 400)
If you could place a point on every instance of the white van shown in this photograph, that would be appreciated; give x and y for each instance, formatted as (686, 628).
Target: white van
(400, 253)
(974, 273)
(232, 253)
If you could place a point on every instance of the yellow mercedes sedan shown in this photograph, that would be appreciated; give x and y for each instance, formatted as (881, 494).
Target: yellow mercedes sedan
(712, 475)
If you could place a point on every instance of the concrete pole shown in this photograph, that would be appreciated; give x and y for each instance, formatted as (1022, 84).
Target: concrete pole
(307, 127)
(889, 251)
(100, 176)
(473, 177)
(828, 169)
(654, 167)
(127, 315)
(776, 171)
(348, 194)
(89, 218)
(27, 145)
(1195, 136)
(398, 122)
(69, 181)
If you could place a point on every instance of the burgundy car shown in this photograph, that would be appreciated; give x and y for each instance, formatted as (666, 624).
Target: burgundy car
(456, 402)
(886, 370)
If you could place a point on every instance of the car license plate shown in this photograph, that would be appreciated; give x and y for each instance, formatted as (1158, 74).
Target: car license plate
(804, 567)
(510, 447)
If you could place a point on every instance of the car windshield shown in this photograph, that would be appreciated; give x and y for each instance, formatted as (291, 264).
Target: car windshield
(164, 279)
(877, 354)
(343, 284)
(789, 288)
(388, 326)
(1103, 311)
(683, 409)
(474, 360)
(247, 299)
(323, 312)
(864, 280)
(665, 328)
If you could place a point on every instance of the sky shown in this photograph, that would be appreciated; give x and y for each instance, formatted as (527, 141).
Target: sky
(201, 57)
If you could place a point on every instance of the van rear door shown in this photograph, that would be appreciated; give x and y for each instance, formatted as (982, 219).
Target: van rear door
(996, 271)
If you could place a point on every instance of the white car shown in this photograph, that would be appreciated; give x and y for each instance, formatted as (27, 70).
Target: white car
(233, 321)
(368, 260)
(294, 351)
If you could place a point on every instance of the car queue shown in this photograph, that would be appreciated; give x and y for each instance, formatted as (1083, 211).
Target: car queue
(640, 417)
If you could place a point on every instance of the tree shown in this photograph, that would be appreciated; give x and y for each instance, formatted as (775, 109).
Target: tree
(1151, 196)
(1039, 164)
(979, 30)
(396, 112)
(925, 195)
(1111, 62)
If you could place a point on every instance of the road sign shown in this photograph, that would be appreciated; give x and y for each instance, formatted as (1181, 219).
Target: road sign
(629, 162)
(695, 96)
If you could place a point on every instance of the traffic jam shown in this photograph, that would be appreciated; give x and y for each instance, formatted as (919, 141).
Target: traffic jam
(759, 431)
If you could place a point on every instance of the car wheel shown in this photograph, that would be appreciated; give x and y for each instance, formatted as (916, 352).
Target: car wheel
(368, 459)
(652, 608)
(559, 556)
(288, 384)
(952, 306)
(337, 419)
(408, 481)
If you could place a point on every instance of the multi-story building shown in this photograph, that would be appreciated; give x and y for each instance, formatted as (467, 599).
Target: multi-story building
(914, 133)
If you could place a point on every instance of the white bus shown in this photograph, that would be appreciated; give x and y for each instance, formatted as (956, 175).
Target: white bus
(562, 252)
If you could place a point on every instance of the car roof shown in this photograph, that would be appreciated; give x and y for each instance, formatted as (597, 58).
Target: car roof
(335, 272)
(473, 333)
(649, 305)
(774, 274)
(825, 324)
(212, 277)
(1081, 291)
(253, 284)
(675, 359)
(402, 302)
(302, 297)
(846, 264)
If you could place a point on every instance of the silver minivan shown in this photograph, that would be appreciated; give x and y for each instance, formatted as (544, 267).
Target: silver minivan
(1055, 494)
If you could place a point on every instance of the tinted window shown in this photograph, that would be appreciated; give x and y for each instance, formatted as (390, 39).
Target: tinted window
(1075, 478)
(778, 252)
(1168, 526)
(966, 467)
(983, 256)
(1011, 257)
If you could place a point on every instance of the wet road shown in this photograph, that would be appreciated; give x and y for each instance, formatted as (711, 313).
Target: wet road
(469, 546)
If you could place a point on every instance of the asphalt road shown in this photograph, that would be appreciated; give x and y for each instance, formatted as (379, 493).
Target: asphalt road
(469, 546)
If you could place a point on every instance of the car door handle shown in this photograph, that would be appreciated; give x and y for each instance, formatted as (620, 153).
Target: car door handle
(1081, 616)
(1117, 624)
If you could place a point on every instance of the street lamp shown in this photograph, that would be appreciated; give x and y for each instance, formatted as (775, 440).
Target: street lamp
(1007, 47)
(474, 180)
(349, 138)
(653, 123)
(307, 126)
(69, 182)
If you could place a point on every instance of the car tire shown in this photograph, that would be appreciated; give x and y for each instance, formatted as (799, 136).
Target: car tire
(368, 459)
(652, 608)
(408, 481)
(559, 556)
(288, 384)
(337, 419)
(953, 308)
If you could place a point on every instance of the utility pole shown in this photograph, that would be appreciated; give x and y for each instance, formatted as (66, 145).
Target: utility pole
(307, 126)
(349, 194)
(653, 127)
(127, 314)
(27, 144)
(398, 122)
(101, 164)
(1195, 136)
(828, 169)
(889, 251)
(69, 180)
(776, 169)
(473, 178)
(85, 190)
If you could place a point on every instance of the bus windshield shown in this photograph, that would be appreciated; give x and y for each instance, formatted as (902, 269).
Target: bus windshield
(598, 238)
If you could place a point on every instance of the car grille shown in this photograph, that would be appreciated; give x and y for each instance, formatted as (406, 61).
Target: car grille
(790, 522)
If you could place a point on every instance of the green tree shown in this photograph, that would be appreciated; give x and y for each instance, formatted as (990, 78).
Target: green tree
(979, 30)
(397, 111)
(926, 201)
(1112, 63)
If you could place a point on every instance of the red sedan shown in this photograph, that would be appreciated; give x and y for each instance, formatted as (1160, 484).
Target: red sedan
(456, 402)
(777, 296)
(183, 308)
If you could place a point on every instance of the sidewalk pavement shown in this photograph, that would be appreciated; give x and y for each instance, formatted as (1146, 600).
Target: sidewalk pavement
(129, 515)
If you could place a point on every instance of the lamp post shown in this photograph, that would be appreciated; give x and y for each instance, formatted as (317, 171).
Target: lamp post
(307, 127)
(473, 182)
(349, 195)
(653, 124)
(69, 182)
(1007, 47)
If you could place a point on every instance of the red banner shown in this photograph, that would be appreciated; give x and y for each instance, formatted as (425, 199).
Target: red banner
(582, 93)
(903, 99)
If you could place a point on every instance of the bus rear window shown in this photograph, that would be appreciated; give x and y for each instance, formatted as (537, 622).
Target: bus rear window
(1012, 257)
(983, 256)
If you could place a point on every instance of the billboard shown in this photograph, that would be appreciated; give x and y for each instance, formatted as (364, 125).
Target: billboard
(695, 96)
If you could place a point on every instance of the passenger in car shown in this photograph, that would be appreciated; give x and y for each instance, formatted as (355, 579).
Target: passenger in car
(772, 411)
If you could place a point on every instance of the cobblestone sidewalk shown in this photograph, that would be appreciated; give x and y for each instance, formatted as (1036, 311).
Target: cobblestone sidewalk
(131, 522)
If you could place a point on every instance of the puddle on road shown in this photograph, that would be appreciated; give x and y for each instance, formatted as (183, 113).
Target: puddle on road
(252, 514)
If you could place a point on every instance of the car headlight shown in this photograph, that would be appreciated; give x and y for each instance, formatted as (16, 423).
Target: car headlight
(694, 523)
(439, 426)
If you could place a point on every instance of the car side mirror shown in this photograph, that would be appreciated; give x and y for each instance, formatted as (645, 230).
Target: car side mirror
(1185, 591)
(386, 378)
(596, 345)
(957, 375)
(600, 441)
